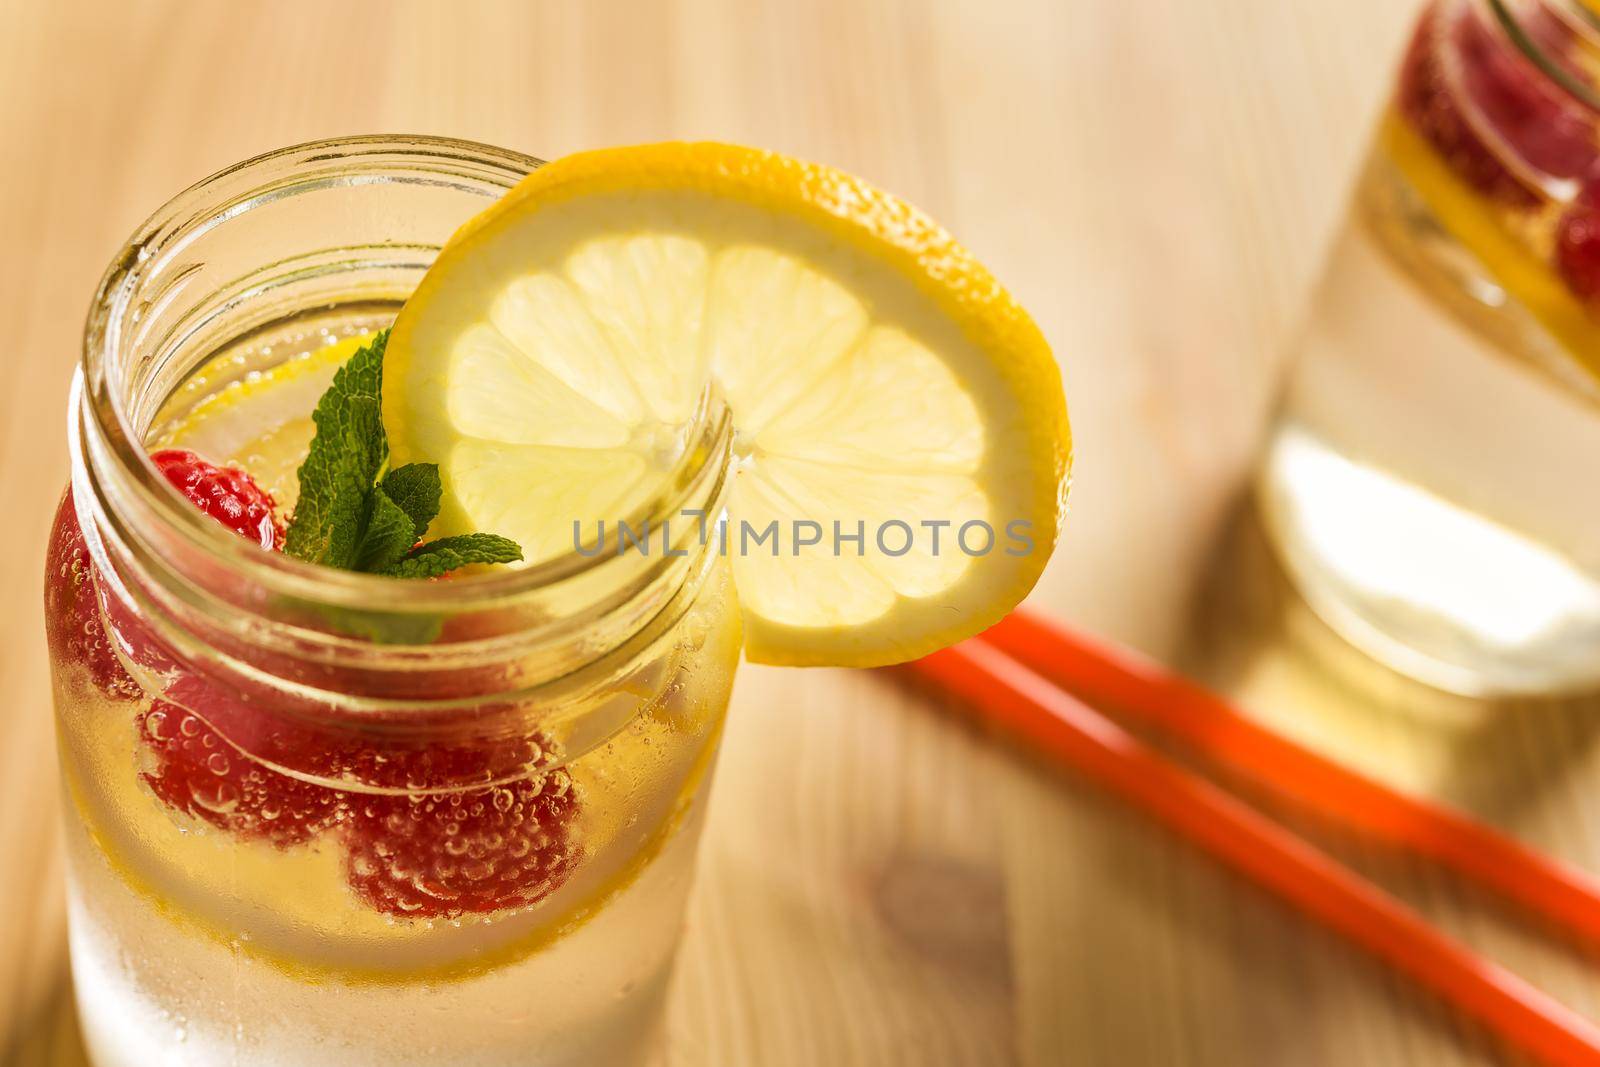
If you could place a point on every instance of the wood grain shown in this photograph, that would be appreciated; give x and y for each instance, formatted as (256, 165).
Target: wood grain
(1157, 182)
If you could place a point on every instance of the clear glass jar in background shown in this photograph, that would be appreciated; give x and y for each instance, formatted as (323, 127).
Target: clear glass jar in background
(289, 843)
(1433, 480)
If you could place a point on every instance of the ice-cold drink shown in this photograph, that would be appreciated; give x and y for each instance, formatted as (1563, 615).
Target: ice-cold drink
(352, 821)
(1432, 480)
(348, 785)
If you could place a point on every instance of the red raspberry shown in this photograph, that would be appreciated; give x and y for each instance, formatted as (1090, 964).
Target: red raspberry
(477, 851)
(72, 611)
(190, 766)
(1578, 245)
(227, 494)
(1477, 100)
(195, 771)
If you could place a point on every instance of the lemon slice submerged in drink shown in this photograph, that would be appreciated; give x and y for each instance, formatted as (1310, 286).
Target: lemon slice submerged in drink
(901, 444)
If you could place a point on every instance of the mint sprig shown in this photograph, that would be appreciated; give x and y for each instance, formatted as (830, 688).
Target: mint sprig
(350, 519)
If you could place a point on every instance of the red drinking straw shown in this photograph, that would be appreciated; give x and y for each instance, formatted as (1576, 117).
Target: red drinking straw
(1025, 705)
(1106, 676)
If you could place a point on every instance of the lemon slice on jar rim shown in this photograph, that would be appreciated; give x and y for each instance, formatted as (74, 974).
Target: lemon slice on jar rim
(878, 378)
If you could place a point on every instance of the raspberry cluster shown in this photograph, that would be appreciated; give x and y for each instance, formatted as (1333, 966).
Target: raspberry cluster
(426, 851)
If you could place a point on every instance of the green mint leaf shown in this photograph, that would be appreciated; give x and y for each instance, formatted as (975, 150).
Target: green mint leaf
(448, 553)
(417, 489)
(346, 454)
(387, 535)
(347, 518)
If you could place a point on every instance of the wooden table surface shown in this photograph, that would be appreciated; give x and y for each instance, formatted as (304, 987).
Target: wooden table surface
(879, 886)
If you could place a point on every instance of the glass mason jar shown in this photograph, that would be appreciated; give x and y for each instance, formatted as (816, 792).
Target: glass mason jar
(1433, 480)
(319, 817)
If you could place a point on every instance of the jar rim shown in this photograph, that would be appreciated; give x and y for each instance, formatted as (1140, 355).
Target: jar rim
(102, 430)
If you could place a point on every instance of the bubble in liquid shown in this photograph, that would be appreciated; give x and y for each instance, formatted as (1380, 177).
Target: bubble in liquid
(221, 801)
